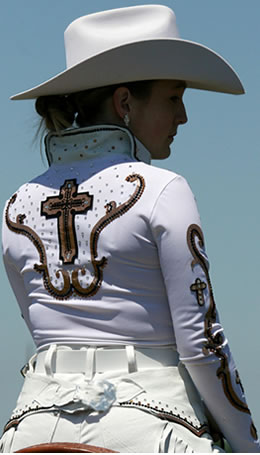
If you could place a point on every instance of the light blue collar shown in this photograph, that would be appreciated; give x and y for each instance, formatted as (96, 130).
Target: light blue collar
(81, 144)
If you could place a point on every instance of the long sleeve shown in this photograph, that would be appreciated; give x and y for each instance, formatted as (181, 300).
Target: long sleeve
(200, 339)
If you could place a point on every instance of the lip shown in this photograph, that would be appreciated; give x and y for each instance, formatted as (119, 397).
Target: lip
(171, 137)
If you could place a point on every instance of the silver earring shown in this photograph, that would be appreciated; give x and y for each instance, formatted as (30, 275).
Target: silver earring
(126, 119)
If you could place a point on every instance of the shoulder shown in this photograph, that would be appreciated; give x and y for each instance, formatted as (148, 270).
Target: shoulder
(154, 174)
(163, 181)
(24, 197)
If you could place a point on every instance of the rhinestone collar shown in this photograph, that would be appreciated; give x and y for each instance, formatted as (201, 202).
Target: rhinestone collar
(81, 144)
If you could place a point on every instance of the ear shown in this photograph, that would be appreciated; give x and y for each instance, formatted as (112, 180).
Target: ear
(121, 101)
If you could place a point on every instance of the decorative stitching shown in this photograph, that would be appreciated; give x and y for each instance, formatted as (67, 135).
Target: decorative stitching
(16, 419)
(65, 207)
(112, 212)
(199, 287)
(214, 341)
(92, 130)
(168, 415)
(71, 284)
(19, 228)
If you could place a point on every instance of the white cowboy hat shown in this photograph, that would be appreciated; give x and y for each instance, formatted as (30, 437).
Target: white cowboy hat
(133, 44)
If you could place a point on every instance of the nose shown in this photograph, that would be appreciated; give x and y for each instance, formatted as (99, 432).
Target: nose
(182, 115)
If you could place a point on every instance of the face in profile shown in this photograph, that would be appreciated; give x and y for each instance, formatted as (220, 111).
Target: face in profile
(155, 120)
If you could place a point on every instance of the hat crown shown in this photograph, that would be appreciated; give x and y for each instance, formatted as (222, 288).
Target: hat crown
(96, 33)
(135, 43)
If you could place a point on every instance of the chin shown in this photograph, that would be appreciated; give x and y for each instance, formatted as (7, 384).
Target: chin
(161, 154)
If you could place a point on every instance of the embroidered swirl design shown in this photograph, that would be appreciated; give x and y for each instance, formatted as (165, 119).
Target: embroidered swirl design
(19, 228)
(71, 285)
(214, 341)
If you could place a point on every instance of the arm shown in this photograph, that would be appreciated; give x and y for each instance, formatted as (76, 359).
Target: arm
(13, 247)
(200, 340)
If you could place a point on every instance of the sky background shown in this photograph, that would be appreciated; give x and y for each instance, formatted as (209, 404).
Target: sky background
(217, 151)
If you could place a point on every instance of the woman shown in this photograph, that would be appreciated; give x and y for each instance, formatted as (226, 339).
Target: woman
(105, 253)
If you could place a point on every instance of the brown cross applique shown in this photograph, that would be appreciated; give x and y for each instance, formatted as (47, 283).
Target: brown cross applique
(65, 207)
(199, 287)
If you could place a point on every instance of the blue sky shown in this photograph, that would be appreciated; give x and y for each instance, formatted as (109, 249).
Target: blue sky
(217, 151)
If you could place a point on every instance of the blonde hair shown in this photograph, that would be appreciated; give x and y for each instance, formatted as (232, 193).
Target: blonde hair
(56, 111)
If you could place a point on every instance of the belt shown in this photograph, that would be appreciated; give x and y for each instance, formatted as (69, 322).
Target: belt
(63, 359)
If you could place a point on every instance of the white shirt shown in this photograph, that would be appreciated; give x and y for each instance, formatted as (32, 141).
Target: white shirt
(105, 249)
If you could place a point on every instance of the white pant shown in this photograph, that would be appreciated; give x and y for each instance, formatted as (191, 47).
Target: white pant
(153, 410)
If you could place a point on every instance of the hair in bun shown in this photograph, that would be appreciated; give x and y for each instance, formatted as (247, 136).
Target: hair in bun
(57, 111)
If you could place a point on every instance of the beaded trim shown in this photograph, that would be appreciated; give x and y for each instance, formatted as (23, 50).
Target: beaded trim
(214, 341)
(71, 284)
(19, 228)
(160, 412)
(156, 410)
(77, 131)
(112, 212)
(65, 207)
(199, 287)
(21, 413)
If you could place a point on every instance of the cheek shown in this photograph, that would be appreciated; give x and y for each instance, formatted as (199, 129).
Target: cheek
(161, 124)
(153, 125)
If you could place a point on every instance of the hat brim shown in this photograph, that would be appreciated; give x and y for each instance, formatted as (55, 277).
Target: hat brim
(178, 59)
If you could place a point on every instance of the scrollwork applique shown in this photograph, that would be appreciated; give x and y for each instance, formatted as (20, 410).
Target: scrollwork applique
(214, 340)
(71, 284)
